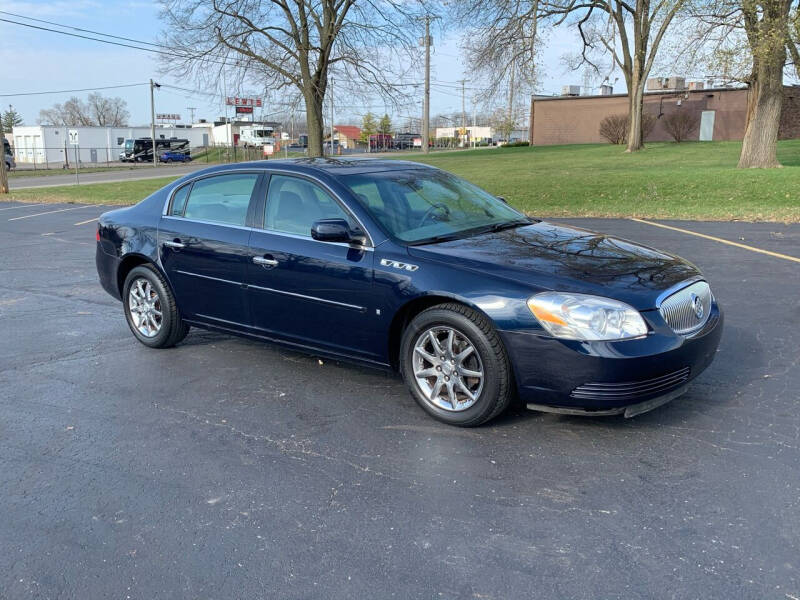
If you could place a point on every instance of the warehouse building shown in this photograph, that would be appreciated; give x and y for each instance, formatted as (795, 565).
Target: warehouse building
(721, 112)
(42, 144)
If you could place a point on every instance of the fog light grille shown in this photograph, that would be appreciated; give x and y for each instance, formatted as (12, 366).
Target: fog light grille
(632, 390)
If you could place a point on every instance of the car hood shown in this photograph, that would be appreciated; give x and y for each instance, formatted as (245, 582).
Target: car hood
(558, 257)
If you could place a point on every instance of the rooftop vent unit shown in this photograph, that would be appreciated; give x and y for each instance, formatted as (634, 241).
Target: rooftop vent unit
(606, 90)
(571, 90)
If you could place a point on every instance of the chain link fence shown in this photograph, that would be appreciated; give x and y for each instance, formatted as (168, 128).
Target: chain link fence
(30, 160)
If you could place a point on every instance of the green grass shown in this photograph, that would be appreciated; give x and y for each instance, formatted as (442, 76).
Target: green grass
(681, 181)
(122, 192)
(71, 171)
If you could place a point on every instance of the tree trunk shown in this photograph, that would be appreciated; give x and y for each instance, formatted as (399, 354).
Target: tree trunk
(767, 39)
(635, 101)
(764, 103)
(315, 123)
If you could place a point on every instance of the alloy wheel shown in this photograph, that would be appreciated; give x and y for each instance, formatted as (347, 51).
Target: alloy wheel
(145, 307)
(447, 368)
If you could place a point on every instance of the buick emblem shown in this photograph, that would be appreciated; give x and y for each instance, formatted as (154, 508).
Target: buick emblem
(697, 306)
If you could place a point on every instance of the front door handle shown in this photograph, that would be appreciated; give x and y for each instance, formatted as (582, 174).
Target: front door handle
(175, 244)
(265, 261)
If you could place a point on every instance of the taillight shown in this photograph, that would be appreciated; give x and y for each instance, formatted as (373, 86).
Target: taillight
(97, 234)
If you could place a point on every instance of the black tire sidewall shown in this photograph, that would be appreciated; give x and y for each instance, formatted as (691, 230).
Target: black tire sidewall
(161, 339)
(493, 366)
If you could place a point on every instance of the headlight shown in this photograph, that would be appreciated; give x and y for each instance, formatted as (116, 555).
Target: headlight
(588, 318)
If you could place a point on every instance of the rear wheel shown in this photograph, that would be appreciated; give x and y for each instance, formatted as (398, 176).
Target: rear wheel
(455, 365)
(150, 309)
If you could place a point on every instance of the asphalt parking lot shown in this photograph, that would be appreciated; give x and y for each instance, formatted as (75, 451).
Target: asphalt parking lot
(224, 468)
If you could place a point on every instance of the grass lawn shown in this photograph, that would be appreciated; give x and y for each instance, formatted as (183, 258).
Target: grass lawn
(122, 192)
(682, 181)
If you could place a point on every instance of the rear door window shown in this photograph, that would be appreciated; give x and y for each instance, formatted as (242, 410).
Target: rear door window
(221, 199)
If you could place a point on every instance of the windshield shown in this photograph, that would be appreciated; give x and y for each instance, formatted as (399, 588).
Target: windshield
(128, 144)
(419, 206)
(262, 133)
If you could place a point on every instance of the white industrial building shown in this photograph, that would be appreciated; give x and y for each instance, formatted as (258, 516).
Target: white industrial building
(47, 143)
(474, 133)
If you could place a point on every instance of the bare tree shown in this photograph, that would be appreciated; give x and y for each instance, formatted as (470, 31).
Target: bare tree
(629, 31)
(96, 111)
(503, 54)
(108, 112)
(293, 43)
(752, 42)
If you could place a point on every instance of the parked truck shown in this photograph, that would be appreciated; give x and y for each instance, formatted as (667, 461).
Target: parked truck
(256, 135)
(141, 149)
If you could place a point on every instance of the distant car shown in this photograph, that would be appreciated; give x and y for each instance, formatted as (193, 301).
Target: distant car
(174, 157)
(9, 156)
(401, 265)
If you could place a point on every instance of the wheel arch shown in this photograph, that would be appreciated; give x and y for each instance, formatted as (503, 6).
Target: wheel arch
(411, 309)
(131, 261)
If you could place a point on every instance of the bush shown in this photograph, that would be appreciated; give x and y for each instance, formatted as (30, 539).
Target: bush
(615, 127)
(681, 124)
(516, 144)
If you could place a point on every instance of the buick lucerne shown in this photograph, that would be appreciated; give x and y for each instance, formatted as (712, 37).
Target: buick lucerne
(404, 266)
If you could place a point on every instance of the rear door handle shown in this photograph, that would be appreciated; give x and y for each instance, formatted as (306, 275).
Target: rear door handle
(175, 244)
(265, 261)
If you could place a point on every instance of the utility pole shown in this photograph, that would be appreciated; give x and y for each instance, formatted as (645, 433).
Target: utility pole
(191, 110)
(426, 102)
(474, 118)
(153, 85)
(3, 174)
(463, 83)
(331, 91)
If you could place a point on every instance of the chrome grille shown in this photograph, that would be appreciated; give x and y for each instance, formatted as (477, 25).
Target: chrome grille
(687, 310)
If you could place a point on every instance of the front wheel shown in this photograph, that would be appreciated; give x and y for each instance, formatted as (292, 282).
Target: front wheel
(456, 366)
(150, 309)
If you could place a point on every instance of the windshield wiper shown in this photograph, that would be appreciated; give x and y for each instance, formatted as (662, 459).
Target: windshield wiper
(507, 225)
(473, 231)
(436, 239)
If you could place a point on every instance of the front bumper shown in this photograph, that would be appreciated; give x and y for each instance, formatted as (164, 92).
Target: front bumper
(603, 377)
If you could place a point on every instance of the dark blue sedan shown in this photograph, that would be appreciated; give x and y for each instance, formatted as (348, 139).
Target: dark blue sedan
(400, 265)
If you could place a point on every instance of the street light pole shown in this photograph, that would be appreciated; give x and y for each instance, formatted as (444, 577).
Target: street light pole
(153, 85)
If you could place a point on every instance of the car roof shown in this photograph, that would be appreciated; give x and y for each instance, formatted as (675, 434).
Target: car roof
(330, 166)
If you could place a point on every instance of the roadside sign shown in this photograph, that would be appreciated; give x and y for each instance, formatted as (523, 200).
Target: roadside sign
(73, 136)
(269, 149)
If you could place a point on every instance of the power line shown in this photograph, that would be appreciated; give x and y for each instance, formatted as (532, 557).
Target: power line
(118, 37)
(164, 52)
(107, 87)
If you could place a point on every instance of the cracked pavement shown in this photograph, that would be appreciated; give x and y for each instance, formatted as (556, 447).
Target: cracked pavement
(225, 468)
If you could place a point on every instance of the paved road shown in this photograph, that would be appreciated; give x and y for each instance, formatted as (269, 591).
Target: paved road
(133, 173)
(228, 469)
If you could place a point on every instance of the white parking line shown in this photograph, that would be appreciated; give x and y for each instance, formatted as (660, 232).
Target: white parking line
(50, 212)
(23, 206)
(86, 221)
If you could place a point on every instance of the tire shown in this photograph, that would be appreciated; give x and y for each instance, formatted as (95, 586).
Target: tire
(489, 395)
(169, 328)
